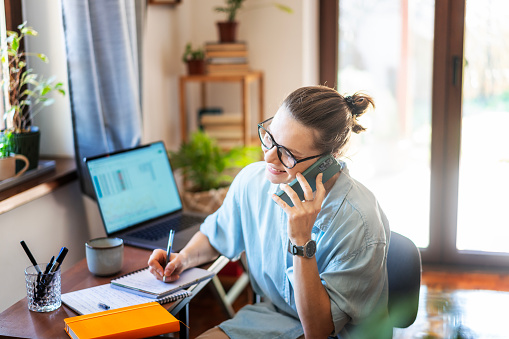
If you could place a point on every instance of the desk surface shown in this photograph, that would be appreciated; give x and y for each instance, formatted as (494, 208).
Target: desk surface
(18, 321)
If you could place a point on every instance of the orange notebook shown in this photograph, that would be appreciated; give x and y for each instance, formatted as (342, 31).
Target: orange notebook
(139, 321)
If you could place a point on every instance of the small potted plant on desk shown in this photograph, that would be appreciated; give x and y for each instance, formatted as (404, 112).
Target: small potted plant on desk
(195, 60)
(208, 170)
(28, 94)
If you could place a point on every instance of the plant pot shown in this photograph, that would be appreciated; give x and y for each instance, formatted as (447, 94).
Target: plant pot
(27, 144)
(196, 67)
(227, 31)
(204, 202)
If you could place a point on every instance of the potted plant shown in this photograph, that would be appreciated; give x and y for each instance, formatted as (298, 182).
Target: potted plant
(228, 29)
(195, 60)
(28, 94)
(208, 170)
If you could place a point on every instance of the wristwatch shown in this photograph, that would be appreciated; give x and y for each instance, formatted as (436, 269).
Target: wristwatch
(306, 251)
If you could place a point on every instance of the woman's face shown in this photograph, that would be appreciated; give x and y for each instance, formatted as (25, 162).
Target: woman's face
(297, 138)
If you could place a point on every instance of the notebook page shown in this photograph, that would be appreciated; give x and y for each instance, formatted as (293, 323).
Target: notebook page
(86, 301)
(143, 281)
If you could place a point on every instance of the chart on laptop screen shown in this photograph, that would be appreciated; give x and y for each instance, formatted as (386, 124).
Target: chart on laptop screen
(134, 186)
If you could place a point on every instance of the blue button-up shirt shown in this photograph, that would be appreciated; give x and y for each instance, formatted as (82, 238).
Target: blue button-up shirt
(351, 232)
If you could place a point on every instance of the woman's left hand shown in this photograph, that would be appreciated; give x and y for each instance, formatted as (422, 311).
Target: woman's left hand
(302, 216)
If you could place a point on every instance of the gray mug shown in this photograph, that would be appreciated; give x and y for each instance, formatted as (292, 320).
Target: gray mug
(105, 256)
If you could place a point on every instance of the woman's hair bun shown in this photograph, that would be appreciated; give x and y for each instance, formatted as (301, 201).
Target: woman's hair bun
(358, 104)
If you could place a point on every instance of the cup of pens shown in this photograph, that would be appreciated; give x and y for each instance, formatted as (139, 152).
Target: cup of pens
(43, 288)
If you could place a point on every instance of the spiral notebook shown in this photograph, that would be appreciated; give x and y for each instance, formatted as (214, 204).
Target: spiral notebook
(143, 283)
(88, 300)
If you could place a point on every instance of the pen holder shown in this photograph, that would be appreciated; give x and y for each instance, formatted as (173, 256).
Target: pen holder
(43, 290)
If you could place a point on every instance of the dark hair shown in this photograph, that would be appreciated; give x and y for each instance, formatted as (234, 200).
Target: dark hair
(331, 114)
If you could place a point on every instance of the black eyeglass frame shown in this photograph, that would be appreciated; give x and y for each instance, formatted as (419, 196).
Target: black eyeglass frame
(278, 146)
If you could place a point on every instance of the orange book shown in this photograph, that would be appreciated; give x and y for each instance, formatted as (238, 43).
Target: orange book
(139, 321)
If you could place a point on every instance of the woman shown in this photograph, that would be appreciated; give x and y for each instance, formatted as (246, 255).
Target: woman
(345, 280)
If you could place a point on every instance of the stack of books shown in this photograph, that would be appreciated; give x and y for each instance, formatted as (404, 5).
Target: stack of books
(225, 128)
(226, 58)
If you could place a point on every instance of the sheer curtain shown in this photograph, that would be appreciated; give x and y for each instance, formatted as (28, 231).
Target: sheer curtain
(103, 42)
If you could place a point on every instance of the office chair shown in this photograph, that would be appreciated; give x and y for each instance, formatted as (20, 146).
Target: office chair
(404, 274)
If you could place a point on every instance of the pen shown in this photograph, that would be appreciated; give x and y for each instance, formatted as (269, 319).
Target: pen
(168, 251)
(41, 282)
(59, 259)
(30, 256)
(48, 266)
(103, 306)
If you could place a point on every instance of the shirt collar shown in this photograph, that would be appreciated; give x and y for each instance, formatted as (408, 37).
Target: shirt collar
(334, 199)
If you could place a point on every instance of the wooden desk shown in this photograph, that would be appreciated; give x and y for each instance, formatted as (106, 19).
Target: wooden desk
(243, 78)
(18, 322)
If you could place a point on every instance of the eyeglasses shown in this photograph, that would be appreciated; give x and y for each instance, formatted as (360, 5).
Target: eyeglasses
(285, 156)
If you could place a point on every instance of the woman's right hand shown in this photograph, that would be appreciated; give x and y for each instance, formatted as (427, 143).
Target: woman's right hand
(171, 271)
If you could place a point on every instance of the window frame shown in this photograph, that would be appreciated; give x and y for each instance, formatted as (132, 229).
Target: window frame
(446, 126)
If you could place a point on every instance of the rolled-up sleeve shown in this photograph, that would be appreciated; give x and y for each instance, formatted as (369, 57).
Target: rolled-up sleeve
(355, 285)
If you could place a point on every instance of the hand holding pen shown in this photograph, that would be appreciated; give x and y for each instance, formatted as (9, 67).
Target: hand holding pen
(168, 251)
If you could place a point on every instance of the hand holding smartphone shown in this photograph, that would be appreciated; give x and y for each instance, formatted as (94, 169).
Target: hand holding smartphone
(327, 165)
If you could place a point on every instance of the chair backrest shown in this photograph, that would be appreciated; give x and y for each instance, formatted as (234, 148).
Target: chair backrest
(404, 275)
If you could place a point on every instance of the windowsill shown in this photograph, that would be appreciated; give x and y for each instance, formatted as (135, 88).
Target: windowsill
(65, 172)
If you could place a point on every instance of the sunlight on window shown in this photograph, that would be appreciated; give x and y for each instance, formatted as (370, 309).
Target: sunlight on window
(483, 224)
(387, 51)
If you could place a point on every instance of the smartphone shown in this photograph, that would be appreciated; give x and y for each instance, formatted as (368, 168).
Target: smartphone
(327, 165)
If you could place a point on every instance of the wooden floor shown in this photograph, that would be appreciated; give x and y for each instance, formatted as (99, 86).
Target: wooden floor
(473, 303)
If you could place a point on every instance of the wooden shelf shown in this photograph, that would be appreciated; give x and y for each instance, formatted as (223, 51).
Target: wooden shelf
(65, 172)
(244, 79)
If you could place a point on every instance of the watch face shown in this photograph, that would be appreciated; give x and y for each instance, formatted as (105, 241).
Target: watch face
(310, 248)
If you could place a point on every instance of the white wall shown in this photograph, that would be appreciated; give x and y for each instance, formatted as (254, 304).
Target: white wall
(283, 46)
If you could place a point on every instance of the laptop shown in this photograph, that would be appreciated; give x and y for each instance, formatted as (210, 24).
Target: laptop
(138, 197)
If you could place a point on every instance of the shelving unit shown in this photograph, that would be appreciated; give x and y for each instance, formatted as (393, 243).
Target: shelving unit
(244, 79)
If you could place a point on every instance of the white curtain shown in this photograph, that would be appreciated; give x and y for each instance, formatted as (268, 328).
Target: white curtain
(103, 42)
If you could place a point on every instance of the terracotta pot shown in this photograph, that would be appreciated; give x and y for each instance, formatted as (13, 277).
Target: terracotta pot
(227, 31)
(205, 202)
(195, 67)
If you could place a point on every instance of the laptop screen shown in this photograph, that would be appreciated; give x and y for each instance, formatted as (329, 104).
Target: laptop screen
(134, 186)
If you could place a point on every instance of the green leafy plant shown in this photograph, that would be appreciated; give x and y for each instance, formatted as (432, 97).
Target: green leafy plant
(206, 166)
(28, 92)
(233, 6)
(193, 54)
(5, 144)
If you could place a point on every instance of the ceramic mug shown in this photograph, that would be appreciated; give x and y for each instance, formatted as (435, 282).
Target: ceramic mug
(8, 166)
(105, 256)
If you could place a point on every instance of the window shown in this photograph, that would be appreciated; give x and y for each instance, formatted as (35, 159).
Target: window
(436, 157)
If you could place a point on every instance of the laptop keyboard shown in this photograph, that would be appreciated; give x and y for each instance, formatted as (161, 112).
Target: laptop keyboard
(161, 230)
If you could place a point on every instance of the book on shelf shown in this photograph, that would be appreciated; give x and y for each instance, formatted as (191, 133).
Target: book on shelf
(226, 60)
(138, 321)
(229, 46)
(217, 128)
(224, 133)
(226, 54)
(221, 119)
(142, 282)
(88, 300)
